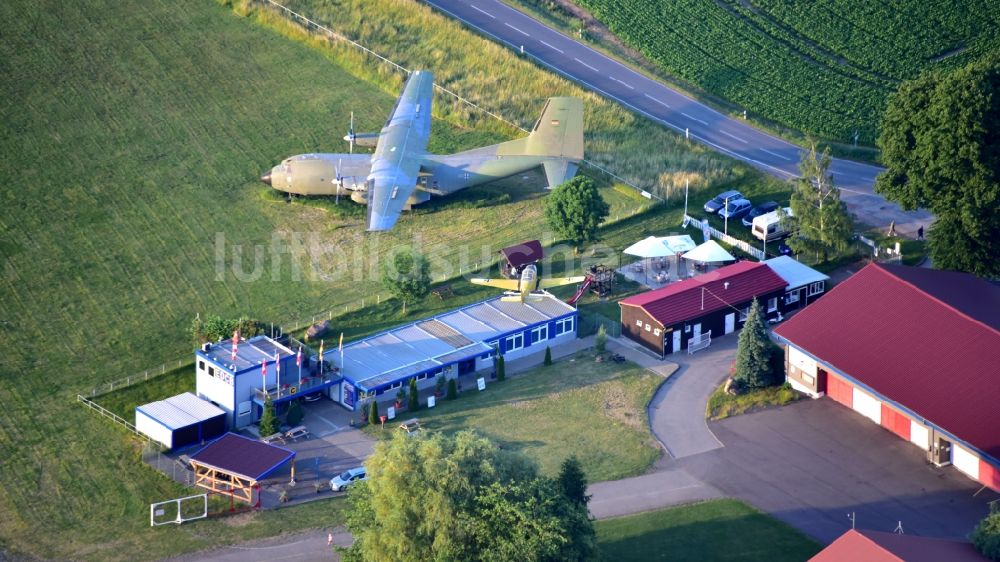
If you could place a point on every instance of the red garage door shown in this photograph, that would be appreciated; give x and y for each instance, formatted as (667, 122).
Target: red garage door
(989, 475)
(895, 422)
(839, 390)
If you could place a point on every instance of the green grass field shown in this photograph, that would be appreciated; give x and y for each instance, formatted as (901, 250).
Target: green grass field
(596, 411)
(133, 138)
(713, 530)
(823, 68)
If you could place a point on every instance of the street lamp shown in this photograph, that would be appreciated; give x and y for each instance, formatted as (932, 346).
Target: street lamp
(725, 215)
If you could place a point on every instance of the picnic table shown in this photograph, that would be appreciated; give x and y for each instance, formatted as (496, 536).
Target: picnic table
(274, 438)
(297, 432)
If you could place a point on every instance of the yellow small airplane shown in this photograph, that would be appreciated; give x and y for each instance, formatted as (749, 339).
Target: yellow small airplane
(527, 287)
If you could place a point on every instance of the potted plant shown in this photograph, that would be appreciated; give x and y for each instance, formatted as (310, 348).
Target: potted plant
(400, 398)
(439, 386)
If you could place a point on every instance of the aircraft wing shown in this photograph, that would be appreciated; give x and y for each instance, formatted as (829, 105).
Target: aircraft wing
(559, 281)
(506, 284)
(399, 152)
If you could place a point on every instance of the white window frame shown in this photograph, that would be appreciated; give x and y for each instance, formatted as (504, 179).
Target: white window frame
(537, 332)
(565, 325)
(511, 339)
(744, 312)
(638, 323)
(792, 296)
(772, 304)
(815, 289)
(656, 332)
(648, 327)
(422, 376)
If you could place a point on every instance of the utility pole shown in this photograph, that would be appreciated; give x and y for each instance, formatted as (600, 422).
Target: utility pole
(725, 210)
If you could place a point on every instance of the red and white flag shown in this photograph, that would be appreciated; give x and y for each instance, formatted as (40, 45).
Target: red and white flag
(277, 364)
(236, 343)
(298, 357)
(263, 374)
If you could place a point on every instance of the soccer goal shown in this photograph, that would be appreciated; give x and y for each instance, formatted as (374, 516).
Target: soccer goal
(178, 510)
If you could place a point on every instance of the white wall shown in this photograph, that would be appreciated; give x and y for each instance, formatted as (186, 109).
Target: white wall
(919, 435)
(156, 431)
(965, 460)
(867, 406)
(802, 361)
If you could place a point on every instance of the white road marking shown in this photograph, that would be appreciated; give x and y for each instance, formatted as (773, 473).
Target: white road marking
(516, 29)
(585, 64)
(664, 104)
(626, 84)
(694, 118)
(776, 154)
(550, 46)
(732, 136)
(483, 11)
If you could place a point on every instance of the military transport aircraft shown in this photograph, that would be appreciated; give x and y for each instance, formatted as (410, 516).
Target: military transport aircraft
(401, 173)
(528, 286)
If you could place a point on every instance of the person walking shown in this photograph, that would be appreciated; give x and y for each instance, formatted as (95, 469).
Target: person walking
(920, 233)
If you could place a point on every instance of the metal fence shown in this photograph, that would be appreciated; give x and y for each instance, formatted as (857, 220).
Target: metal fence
(104, 412)
(589, 323)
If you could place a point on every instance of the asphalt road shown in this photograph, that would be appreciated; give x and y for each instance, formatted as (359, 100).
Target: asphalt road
(665, 105)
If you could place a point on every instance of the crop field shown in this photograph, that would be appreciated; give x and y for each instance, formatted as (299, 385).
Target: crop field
(823, 67)
(132, 140)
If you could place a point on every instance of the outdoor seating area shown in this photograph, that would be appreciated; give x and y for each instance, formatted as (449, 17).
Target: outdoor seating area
(666, 259)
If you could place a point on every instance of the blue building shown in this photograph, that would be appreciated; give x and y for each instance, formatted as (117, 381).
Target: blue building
(239, 386)
(455, 343)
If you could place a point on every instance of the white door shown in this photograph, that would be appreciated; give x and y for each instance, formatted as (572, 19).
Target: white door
(867, 406)
(965, 460)
(697, 332)
(677, 341)
(730, 322)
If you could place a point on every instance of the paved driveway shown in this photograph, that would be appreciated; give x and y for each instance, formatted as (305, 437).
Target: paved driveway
(677, 411)
(813, 462)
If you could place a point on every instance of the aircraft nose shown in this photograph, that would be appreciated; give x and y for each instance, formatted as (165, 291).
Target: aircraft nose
(266, 178)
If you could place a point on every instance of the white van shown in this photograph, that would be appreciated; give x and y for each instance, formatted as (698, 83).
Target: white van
(768, 226)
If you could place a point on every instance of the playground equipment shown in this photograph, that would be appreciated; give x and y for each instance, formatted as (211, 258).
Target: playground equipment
(600, 280)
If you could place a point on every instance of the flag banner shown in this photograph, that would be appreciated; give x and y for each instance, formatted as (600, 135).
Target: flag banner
(277, 364)
(263, 375)
(341, 345)
(236, 343)
(298, 357)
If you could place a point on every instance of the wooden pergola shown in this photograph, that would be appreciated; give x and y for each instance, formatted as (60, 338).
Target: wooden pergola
(234, 465)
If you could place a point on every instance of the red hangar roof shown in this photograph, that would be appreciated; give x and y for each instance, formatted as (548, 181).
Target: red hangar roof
(875, 546)
(523, 253)
(727, 286)
(923, 338)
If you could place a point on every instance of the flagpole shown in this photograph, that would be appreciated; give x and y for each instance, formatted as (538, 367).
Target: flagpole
(298, 361)
(277, 372)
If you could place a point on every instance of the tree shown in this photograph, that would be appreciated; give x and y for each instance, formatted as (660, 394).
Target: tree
(294, 415)
(414, 395)
(753, 355)
(986, 535)
(407, 275)
(473, 503)
(573, 482)
(373, 417)
(601, 339)
(452, 390)
(268, 419)
(819, 220)
(216, 328)
(548, 356)
(501, 367)
(575, 209)
(939, 139)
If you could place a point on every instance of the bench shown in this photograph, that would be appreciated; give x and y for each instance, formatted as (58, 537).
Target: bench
(443, 291)
(297, 432)
(275, 438)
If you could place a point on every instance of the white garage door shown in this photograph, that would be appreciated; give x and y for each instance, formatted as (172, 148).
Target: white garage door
(919, 435)
(965, 461)
(867, 406)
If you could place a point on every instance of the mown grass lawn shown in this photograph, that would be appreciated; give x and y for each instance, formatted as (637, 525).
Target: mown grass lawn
(716, 530)
(576, 406)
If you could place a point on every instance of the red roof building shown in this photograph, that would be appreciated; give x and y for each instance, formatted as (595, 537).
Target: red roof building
(912, 349)
(669, 319)
(874, 546)
(517, 256)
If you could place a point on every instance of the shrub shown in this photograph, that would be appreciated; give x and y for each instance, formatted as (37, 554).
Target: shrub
(294, 415)
(439, 385)
(501, 368)
(548, 356)
(401, 396)
(601, 339)
(268, 419)
(414, 394)
(373, 412)
(452, 390)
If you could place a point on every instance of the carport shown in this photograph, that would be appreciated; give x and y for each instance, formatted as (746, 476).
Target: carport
(234, 465)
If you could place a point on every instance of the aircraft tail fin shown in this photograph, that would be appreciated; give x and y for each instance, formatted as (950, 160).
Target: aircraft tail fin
(557, 135)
